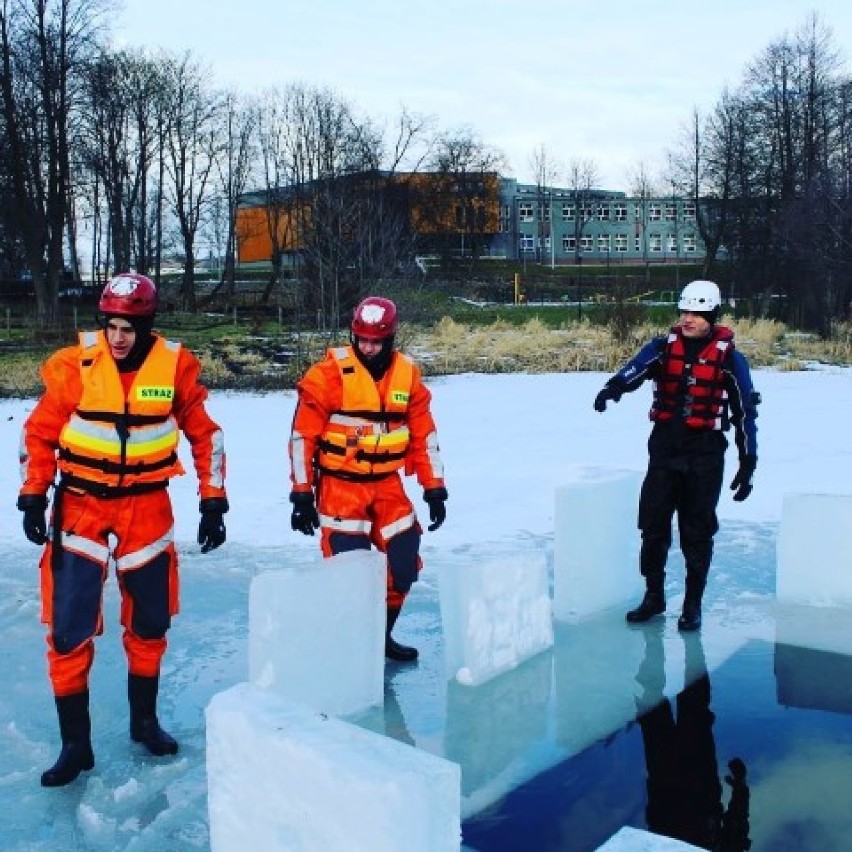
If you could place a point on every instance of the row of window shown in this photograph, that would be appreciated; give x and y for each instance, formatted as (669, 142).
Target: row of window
(617, 243)
(603, 212)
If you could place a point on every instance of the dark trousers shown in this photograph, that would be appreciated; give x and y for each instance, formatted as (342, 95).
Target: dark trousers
(685, 476)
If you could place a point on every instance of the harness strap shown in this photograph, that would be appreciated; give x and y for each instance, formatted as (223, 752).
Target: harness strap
(118, 468)
(108, 492)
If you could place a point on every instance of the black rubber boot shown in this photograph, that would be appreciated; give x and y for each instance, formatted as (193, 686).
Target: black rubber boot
(652, 604)
(75, 728)
(393, 650)
(144, 725)
(690, 618)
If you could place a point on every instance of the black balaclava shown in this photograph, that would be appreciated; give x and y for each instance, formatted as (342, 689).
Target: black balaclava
(378, 365)
(711, 316)
(143, 326)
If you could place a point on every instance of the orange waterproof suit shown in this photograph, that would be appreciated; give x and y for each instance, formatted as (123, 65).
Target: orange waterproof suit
(351, 437)
(113, 438)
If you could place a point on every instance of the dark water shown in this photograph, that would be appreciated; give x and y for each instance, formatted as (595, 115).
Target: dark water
(781, 713)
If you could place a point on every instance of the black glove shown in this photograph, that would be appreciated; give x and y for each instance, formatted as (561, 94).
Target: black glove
(304, 518)
(436, 497)
(609, 392)
(211, 528)
(741, 483)
(34, 507)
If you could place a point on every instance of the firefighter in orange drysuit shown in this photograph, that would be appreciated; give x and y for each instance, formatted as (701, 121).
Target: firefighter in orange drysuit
(363, 416)
(109, 422)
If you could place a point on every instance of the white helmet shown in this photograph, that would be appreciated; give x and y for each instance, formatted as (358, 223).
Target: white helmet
(700, 297)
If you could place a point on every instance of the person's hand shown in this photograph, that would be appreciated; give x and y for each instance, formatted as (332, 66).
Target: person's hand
(436, 498)
(741, 483)
(608, 392)
(211, 527)
(34, 507)
(304, 518)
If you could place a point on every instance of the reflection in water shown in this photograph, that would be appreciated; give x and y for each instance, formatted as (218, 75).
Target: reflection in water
(395, 725)
(683, 788)
(490, 726)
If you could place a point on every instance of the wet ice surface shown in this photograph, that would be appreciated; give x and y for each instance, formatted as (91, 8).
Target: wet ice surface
(551, 752)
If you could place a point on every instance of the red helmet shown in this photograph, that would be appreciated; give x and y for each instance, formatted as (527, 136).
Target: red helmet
(375, 318)
(129, 294)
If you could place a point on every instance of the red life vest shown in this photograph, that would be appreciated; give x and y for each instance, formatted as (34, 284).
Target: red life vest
(694, 391)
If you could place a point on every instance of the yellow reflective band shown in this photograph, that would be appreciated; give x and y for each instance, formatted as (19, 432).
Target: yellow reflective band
(399, 397)
(391, 439)
(155, 445)
(155, 392)
(135, 448)
(73, 438)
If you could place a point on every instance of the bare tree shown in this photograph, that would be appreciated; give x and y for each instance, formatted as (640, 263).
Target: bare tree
(192, 146)
(582, 178)
(43, 48)
(233, 170)
(546, 171)
(464, 190)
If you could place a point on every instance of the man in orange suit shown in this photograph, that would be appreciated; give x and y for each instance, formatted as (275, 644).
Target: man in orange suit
(109, 422)
(363, 417)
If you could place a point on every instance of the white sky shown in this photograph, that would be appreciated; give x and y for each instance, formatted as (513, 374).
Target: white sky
(614, 82)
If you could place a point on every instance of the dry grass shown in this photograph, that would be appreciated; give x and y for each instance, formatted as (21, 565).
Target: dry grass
(451, 347)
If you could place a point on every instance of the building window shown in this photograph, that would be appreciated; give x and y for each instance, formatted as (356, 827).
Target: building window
(603, 212)
(637, 213)
(544, 211)
(586, 212)
(655, 212)
(567, 212)
(527, 242)
(603, 243)
(689, 242)
(569, 243)
(544, 243)
(637, 243)
(525, 211)
(620, 212)
(671, 212)
(587, 244)
(621, 242)
(671, 244)
(655, 242)
(689, 212)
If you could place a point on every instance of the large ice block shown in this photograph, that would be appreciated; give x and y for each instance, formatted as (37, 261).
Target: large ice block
(283, 777)
(596, 543)
(814, 556)
(496, 613)
(316, 632)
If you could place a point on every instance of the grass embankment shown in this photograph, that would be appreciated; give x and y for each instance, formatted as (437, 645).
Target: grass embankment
(268, 358)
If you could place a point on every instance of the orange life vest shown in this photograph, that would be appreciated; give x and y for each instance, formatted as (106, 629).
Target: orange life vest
(694, 391)
(116, 440)
(368, 437)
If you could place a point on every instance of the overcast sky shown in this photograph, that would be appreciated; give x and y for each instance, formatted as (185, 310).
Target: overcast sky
(614, 82)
